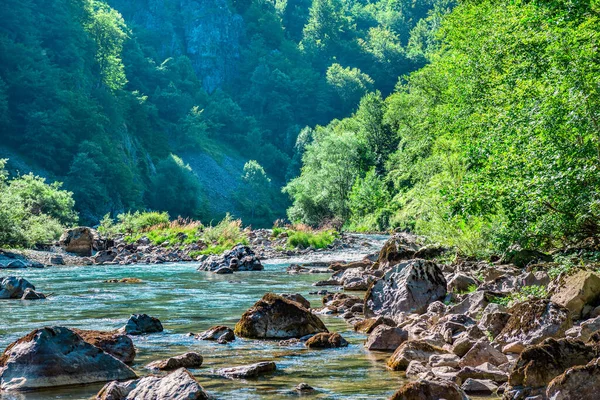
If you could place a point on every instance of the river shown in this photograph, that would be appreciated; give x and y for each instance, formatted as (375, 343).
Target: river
(186, 300)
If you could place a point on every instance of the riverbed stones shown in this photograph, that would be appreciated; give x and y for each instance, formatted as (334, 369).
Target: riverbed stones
(248, 371)
(429, 389)
(114, 343)
(219, 333)
(408, 287)
(240, 258)
(187, 360)
(57, 356)
(577, 291)
(141, 324)
(533, 321)
(178, 385)
(412, 350)
(13, 287)
(275, 317)
(326, 340)
(386, 338)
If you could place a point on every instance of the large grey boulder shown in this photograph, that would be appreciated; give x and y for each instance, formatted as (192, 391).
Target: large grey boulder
(408, 287)
(13, 287)
(178, 385)
(240, 258)
(276, 317)
(57, 356)
(114, 343)
(577, 291)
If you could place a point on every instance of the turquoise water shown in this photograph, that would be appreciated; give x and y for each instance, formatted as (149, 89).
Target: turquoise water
(189, 301)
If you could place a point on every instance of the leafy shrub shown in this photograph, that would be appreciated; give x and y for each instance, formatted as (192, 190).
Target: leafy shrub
(305, 239)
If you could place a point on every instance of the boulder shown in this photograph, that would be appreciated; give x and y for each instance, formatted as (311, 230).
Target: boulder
(57, 356)
(482, 352)
(585, 330)
(406, 288)
(483, 371)
(398, 248)
(523, 257)
(240, 258)
(12, 287)
(248, 371)
(178, 385)
(533, 321)
(368, 325)
(386, 338)
(221, 334)
(187, 360)
(223, 271)
(494, 319)
(105, 256)
(298, 298)
(81, 241)
(444, 360)
(304, 388)
(278, 318)
(114, 343)
(429, 390)
(581, 383)
(479, 386)
(412, 350)
(539, 364)
(140, 324)
(326, 340)
(577, 291)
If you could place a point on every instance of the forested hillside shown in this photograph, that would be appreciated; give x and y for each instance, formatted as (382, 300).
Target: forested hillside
(122, 100)
(495, 142)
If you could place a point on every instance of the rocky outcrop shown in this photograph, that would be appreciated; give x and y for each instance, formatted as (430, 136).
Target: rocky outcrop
(219, 333)
(533, 321)
(187, 360)
(429, 390)
(248, 371)
(240, 258)
(114, 343)
(326, 340)
(178, 385)
(538, 365)
(140, 324)
(403, 247)
(577, 291)
(278, 318)
(81, 241)
(57, 356)
(406, 288)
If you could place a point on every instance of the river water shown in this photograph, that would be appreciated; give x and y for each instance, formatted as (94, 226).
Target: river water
(186, 300)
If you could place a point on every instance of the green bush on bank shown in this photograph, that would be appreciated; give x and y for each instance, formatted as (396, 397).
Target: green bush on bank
(306, 239)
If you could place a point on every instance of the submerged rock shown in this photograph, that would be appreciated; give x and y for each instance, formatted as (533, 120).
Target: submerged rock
(187, 360)
(248, 371)
(220, 333)
(240, 258)
(13, 287)
(178, 385)
(31, 294)
(278, 318)
(114, 343)
(406, 288)
(140, 324)
(57, 356)
(326, 340)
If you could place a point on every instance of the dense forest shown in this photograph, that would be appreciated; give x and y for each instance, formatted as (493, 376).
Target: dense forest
(117, 99)
(474, 122)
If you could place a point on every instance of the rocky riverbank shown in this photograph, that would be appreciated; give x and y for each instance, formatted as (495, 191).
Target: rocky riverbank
(512, 328)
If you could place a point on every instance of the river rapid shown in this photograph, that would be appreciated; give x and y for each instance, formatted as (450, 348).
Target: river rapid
(186, 300)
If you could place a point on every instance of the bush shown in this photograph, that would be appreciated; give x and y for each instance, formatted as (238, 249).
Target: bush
(305, 239)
